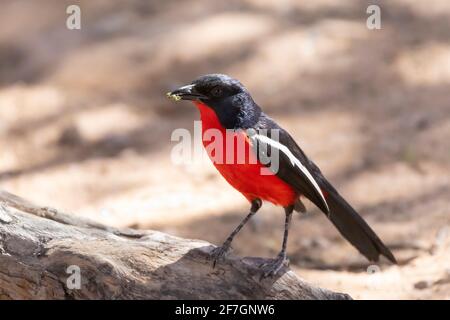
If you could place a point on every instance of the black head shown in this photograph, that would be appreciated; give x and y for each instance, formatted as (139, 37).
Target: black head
(226, 96)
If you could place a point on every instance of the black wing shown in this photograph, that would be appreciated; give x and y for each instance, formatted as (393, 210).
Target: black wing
(311, 183)
(292, 167)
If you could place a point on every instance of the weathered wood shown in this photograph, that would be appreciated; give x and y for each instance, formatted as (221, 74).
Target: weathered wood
(39, 244)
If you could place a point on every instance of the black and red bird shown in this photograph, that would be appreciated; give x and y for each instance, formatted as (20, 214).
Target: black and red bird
(224, 105)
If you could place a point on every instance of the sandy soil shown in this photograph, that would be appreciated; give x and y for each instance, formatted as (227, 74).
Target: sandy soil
(85, 126)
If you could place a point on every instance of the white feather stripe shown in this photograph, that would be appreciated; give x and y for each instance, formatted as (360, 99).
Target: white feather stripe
(294, 160)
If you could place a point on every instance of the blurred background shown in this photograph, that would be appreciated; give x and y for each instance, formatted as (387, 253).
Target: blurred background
(85, 125)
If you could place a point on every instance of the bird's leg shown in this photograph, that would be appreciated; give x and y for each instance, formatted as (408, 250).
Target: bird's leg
(219, 252)
(272, 268)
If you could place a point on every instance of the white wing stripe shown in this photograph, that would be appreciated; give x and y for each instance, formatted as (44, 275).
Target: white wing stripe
(294, 161)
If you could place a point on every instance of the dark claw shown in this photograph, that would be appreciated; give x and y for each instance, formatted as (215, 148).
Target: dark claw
(218, 253)
(271, 268)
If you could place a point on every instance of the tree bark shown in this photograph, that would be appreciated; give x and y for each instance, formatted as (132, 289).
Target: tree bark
(48, 254)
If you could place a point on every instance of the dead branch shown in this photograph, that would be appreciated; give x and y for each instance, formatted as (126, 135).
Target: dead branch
(42, 249)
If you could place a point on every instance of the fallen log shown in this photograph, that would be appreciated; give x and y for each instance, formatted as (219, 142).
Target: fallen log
(49, 254)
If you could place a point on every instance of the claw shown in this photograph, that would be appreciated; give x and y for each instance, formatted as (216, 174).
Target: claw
(271, 268)
(218, 253)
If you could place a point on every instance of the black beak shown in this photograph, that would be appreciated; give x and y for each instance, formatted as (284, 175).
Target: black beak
(186, 93)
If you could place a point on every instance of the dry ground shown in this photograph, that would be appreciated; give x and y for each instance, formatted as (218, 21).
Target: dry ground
(85, 126)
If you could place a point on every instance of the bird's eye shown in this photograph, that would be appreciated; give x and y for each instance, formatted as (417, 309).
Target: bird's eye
(216, 91)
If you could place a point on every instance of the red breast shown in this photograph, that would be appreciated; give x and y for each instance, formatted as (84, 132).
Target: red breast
(248, 176)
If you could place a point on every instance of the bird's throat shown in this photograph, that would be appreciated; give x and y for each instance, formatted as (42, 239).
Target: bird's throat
(208, 116)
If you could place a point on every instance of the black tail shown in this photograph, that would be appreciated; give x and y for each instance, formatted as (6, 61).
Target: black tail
(353, 227)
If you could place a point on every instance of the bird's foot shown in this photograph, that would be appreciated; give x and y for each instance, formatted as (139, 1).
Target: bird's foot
(270, 269)
(219, 253)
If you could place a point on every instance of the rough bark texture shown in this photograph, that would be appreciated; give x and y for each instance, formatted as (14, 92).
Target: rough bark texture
(39, 244)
